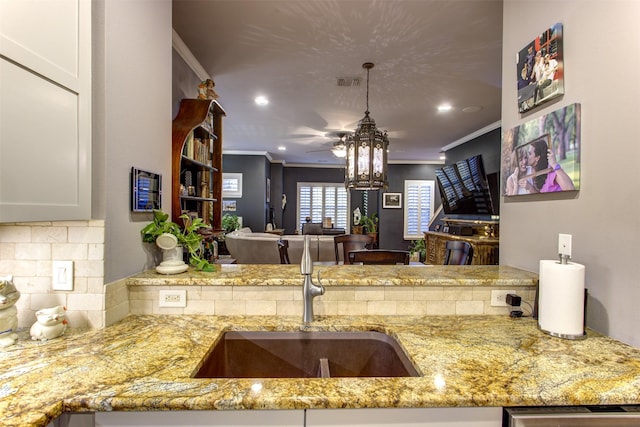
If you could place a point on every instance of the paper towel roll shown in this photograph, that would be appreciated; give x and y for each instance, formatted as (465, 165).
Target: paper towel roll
(561, 299)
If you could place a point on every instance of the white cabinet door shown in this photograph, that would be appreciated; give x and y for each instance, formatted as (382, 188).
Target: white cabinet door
(201, 418)
(45, 110)
(405, 417)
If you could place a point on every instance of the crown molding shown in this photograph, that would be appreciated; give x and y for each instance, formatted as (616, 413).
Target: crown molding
(248, 153)
(313, 165)
(479, 132)
(185, 53)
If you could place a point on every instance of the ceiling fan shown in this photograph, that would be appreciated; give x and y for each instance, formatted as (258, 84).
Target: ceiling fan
(338, 148)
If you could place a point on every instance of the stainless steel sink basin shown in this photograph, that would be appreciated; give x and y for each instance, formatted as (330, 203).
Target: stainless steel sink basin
(305, 355)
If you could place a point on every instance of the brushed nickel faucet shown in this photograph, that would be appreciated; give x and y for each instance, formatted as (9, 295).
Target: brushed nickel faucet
(309, 289)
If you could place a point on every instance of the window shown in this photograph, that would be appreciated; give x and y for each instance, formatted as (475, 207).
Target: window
(318, 200)
(418, 207)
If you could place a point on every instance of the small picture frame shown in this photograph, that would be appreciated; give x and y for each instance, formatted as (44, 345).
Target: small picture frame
(229, 205)
(392, 200)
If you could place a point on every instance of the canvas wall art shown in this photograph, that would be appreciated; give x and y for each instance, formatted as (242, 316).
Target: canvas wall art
(543, 155)
(540, 69)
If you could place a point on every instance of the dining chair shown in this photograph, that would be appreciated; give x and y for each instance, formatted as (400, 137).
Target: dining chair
(283, 250)
(350, 242)
(458, 253)
(379, 256)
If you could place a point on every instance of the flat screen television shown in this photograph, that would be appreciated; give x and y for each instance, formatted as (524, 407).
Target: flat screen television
(464, 188)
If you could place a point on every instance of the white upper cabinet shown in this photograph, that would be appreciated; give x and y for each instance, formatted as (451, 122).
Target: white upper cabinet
(45, 110)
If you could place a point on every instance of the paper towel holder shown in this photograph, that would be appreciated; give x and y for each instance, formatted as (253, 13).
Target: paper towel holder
(534, 315)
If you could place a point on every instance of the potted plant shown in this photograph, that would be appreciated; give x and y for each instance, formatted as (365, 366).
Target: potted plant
(371, 224)
(230, 223)
(188, 237)
(418, 247)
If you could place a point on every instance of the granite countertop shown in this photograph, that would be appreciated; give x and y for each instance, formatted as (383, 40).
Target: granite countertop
(345, 275)
(146, 363)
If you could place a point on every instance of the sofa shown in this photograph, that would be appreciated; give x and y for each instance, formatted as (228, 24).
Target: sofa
(247, 247)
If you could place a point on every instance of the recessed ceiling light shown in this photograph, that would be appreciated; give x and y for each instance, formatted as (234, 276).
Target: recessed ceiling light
(282, 148)
(261, 100)
(444, 108)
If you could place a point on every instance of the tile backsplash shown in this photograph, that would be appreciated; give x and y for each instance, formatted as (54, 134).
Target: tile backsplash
(27, 251)
(345, 300)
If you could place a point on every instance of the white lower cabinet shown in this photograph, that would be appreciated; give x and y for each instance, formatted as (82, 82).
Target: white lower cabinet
(392, 417)
(405, 417)
(251, 418)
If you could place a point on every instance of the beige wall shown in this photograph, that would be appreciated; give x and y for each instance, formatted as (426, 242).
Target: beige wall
(132, 119)
(602, 56)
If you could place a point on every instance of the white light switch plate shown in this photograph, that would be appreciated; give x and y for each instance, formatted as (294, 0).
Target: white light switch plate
(62, 276)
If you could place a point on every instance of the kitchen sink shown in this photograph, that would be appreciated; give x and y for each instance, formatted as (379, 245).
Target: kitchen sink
(264, 354)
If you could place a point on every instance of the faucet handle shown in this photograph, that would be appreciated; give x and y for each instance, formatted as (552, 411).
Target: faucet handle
(319, 279)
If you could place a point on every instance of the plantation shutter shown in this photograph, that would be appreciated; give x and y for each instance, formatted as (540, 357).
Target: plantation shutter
(321, 200)
(418, 207)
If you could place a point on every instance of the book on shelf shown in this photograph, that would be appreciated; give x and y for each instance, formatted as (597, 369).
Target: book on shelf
(198, 149)
(187, 149)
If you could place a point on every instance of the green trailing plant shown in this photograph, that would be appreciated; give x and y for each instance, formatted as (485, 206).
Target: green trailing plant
(370, 222)
(188, 237)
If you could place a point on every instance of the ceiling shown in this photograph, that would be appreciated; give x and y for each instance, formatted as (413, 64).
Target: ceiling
(426, 53)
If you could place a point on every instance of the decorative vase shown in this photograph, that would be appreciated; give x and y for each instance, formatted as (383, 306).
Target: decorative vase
(172, 255)
(356, 229)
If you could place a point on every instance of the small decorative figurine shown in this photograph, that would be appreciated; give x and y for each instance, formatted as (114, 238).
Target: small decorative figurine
(51, 323)
(8, 312)
(206, 91)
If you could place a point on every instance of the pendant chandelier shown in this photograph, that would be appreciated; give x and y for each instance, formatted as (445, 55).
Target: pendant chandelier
(367, 152)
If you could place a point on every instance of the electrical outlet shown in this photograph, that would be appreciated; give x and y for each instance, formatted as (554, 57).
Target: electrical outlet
(499, 297)
(173, 298)
(62, 275)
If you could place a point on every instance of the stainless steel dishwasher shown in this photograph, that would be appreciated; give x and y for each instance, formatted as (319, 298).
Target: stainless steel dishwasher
(572, 416)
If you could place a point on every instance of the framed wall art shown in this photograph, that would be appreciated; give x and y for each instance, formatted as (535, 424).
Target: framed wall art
(543, 155)
(229, 205)
(540, 69)
(392, 200)
(232, 185)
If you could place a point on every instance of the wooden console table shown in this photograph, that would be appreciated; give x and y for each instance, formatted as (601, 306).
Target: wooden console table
(276, 231)
(485, 249)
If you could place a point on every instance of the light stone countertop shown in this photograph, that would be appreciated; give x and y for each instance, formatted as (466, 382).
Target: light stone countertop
(344, 275)
(146, 363)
